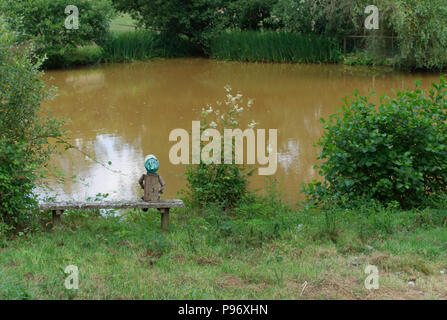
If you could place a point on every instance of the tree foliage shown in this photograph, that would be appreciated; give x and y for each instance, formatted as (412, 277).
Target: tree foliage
(324, 17)
(25, 129)
(191, 18)
(43, 21)
(422, 30)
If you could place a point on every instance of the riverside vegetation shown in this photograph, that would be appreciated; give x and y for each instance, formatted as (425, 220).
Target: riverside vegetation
(248, 246)
(381, 202)
(309, 31)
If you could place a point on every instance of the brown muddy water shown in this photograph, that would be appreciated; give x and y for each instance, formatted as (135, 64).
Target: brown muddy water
(122, 112)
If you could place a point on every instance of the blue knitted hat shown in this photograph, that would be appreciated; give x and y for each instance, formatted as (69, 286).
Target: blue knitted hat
(151, 164)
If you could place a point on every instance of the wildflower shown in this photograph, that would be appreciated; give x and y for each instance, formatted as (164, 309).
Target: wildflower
(252, 124)
(236, 107)
(210, 109)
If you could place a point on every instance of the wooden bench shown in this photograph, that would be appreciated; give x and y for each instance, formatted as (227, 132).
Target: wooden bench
(151, 200)
(163, 206)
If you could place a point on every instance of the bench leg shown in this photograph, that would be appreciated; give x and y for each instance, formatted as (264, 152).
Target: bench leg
(164, 218)
(57, 217)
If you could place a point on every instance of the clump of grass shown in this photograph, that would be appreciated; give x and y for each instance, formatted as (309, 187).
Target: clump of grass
(143, 44)
(364, 59)
(127, 46)
(275, 47)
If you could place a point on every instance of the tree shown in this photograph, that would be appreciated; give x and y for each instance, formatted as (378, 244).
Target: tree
(191, 18)
(25, 129)
(43, 21)
(248, 14)
(422, 31)
(325, 17)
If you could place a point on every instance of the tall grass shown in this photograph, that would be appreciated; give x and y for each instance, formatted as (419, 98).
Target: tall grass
(262, 250)
(143, 44)
(275, 47)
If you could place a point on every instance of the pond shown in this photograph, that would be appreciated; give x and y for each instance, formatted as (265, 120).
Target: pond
(122, 112)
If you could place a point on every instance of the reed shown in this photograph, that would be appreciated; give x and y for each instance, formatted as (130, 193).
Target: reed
(273, 46)
(143, 44)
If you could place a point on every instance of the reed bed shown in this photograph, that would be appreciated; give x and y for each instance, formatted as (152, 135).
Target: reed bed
(143, 44)
(270, 46)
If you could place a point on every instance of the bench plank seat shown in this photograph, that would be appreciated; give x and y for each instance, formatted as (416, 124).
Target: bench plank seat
(127, 204)
(162, 205)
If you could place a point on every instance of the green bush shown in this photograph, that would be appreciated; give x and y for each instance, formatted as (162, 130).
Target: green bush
(43, 21)
(25, 130)
(396, 151)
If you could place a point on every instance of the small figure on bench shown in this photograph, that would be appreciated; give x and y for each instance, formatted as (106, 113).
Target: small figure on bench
(149, 181)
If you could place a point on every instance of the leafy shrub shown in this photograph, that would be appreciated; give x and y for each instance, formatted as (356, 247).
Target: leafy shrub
(24, 130)
(43, 21)
(222, 184)
(394, 152)
(365, 59)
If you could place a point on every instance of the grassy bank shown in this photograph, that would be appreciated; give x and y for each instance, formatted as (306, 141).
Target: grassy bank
(127, 43)
(256, 46)
(263, 250)
(125, 46)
